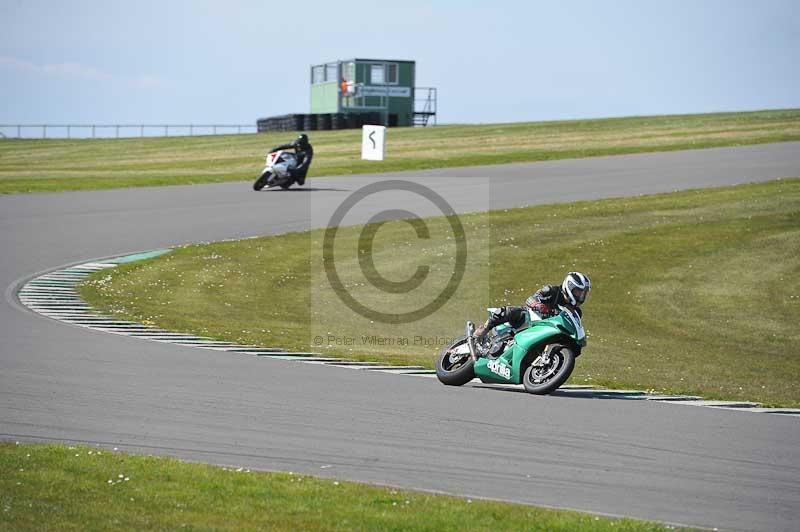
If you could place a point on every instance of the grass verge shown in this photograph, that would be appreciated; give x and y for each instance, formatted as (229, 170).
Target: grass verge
(48, 487)
(695, 292)
(56, 165)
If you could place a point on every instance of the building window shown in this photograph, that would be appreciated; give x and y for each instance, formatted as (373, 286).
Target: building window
(376, 76)
(317, 74)
(349, 72)
(332, 72)
(391, 73)
(385, 74)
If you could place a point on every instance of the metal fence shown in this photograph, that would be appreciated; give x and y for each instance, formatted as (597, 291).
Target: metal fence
(70, 131)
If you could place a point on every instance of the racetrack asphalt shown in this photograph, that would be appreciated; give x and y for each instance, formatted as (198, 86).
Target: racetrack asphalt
(697, 466)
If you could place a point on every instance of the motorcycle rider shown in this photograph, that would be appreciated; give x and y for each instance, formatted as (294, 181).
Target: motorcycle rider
(572, 293)
(303, 152)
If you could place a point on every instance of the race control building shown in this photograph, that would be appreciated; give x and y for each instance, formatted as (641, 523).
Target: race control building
(350, 93)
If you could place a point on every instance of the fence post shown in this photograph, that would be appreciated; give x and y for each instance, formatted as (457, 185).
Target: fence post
(214, 127)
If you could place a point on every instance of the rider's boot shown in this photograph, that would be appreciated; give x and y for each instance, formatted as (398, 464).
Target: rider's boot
(480, 332)
(478, 338)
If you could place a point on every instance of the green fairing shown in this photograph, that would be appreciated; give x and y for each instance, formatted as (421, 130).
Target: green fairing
(538, 334)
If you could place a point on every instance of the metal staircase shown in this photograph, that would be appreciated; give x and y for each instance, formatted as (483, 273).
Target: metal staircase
(425, 100)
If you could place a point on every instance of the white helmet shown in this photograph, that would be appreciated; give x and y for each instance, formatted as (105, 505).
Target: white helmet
(576, 288)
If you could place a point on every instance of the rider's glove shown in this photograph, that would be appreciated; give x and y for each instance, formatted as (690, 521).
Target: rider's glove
(540, 308)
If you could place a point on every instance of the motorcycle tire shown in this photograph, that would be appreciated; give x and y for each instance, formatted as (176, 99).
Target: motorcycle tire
(261, 182)
(566, 363)
(455, 373)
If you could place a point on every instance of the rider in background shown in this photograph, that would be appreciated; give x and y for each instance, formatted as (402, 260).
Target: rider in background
(304, 153)
(572, 293)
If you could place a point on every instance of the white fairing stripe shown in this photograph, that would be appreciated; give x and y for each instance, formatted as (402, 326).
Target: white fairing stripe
(576, 321)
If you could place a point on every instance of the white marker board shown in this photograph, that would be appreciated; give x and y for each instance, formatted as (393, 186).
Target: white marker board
(373, 143)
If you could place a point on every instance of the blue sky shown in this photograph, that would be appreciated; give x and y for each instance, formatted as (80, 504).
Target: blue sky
(143, 61)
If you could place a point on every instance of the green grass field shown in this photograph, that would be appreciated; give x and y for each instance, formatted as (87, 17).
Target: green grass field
(695, 292)
(47, 487)
(53, 165)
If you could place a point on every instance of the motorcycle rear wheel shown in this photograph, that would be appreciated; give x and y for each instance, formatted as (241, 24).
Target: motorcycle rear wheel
(455, 370)
(542, 381)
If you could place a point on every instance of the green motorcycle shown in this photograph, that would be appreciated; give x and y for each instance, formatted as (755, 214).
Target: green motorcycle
(540, 355)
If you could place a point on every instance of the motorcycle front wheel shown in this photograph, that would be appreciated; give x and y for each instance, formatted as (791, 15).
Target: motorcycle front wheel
(455, 366)
(541, 379)
(262, 180)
